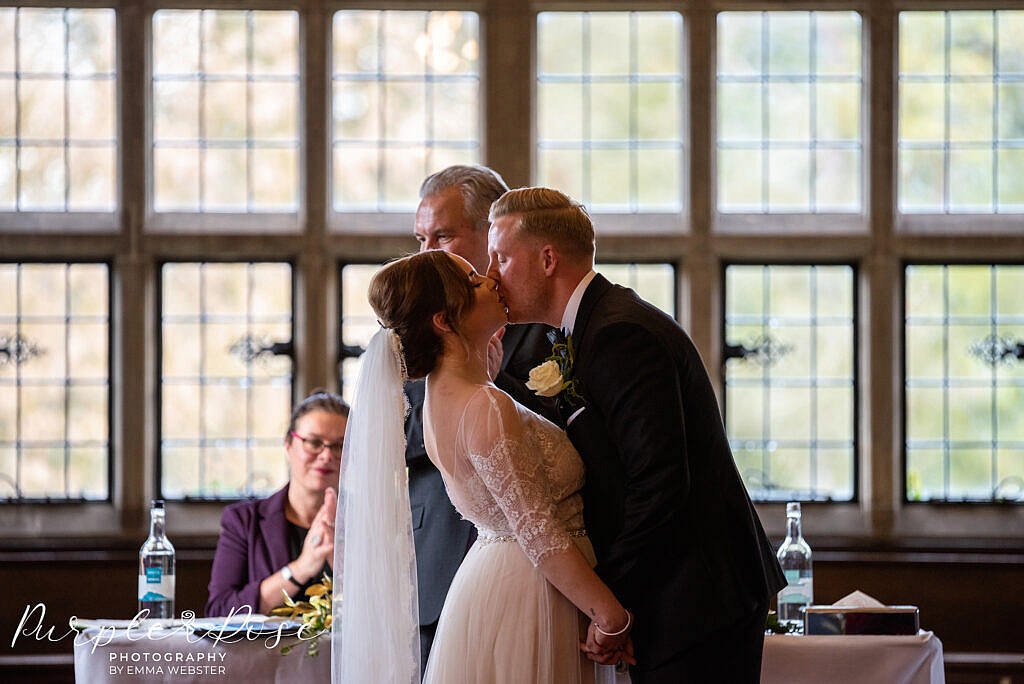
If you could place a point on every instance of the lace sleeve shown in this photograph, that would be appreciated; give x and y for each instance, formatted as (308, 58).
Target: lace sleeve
(514, 476)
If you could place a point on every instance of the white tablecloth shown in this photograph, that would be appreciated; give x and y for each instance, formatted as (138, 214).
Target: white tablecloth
(842, 659)
(178, 657)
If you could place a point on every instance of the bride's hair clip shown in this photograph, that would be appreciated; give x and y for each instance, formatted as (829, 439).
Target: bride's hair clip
(397, 349)
(399, 352)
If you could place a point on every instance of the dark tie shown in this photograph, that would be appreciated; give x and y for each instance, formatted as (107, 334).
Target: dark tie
(556, 336)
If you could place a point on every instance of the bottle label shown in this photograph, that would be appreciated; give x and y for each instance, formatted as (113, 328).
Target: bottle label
(798, 589)
(156, 586)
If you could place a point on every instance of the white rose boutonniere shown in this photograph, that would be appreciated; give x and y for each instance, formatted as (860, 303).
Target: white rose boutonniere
(546, 379)
(554, 377)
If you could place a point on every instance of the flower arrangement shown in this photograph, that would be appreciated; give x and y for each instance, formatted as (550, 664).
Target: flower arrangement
(314, 614)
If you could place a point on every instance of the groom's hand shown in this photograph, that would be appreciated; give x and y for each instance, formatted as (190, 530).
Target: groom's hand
(495, 352)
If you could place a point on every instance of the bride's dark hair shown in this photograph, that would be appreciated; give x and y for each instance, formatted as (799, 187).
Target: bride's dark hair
(407, 293)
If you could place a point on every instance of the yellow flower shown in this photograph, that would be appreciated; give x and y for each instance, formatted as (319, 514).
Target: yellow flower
(315, 614)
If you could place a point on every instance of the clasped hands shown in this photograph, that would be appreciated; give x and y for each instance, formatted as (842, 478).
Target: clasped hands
(608, 650)
(319, 545)
(601, 648)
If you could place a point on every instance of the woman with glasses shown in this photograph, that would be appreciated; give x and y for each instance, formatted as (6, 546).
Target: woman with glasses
(284, 542)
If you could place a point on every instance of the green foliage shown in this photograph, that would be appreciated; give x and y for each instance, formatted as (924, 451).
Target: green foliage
(773, 625)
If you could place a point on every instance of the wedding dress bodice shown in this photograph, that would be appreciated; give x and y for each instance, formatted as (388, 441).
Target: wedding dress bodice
(512, 472)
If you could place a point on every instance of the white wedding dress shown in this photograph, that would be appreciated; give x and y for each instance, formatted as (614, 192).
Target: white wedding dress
(517, 477)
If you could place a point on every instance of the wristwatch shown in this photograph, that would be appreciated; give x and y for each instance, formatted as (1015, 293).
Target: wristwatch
(286, 572)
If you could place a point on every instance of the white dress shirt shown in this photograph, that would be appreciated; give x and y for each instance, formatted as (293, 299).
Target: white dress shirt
(572, 307)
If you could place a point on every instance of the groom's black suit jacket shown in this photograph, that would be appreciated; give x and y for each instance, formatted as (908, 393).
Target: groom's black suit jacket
(440, 534)
(676, 536)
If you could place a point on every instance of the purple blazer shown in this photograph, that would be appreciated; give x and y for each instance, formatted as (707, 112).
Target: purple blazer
(253, 545)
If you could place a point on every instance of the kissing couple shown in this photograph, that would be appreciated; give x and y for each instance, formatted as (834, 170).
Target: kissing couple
(623, 534)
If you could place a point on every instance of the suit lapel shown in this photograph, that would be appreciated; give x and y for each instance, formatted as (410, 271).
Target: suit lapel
(595, 291)
(274, 527)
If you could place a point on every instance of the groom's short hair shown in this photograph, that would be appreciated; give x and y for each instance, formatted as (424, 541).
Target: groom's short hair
(480, 187)
(551, 216)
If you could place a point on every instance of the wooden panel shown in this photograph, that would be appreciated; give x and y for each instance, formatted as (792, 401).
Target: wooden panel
(86, 589)
(59, 669)
(971, 607)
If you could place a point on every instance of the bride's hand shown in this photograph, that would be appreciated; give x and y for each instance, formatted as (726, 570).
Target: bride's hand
(495, 352)
(606, 650)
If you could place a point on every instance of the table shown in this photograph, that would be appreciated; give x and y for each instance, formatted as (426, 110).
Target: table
(841, 659)
(177, 657)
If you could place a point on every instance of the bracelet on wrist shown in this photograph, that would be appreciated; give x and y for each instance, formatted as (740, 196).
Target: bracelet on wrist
(629, 623)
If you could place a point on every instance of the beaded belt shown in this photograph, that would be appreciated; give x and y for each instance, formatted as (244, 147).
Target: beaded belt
(484, 541)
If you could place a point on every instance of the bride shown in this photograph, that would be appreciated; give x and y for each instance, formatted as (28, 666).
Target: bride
(519, 606)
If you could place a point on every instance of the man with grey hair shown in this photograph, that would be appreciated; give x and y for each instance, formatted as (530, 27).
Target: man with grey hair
(452, 216)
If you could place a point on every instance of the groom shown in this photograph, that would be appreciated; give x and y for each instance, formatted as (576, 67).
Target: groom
(676, 536)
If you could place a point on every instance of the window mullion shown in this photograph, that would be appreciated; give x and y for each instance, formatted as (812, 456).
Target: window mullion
(315, 345)
(132, 318)
(702, 271)
(879, 353)
(508, 91)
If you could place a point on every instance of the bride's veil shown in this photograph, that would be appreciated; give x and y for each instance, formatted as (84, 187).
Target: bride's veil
(375, 625)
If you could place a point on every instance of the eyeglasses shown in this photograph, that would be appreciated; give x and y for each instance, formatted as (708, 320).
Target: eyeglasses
(313, 446)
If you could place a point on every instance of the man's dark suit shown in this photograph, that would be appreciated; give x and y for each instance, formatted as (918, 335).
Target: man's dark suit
(442, 537)
(676, 536)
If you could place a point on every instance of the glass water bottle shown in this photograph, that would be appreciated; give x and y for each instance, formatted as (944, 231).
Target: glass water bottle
(156, 569)
(795, 558)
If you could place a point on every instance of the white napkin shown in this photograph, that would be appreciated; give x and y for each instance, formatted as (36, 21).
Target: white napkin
(859, 599)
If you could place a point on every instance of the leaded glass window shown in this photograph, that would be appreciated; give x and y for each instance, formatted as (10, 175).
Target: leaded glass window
(225, 111)
(58, 119)
(225, 378)
(358, 322)
(406, 103)
(54, 381)
(790, 380)
(610, 109)
(961, 112)
(655, 283)
(964, 395)
(790, 136)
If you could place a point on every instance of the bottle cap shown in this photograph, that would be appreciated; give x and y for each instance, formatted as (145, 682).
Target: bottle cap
(159, 503)
(793, 508)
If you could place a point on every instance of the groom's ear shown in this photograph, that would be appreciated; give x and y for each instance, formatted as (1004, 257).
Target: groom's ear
(549, 255)
(441, 321)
